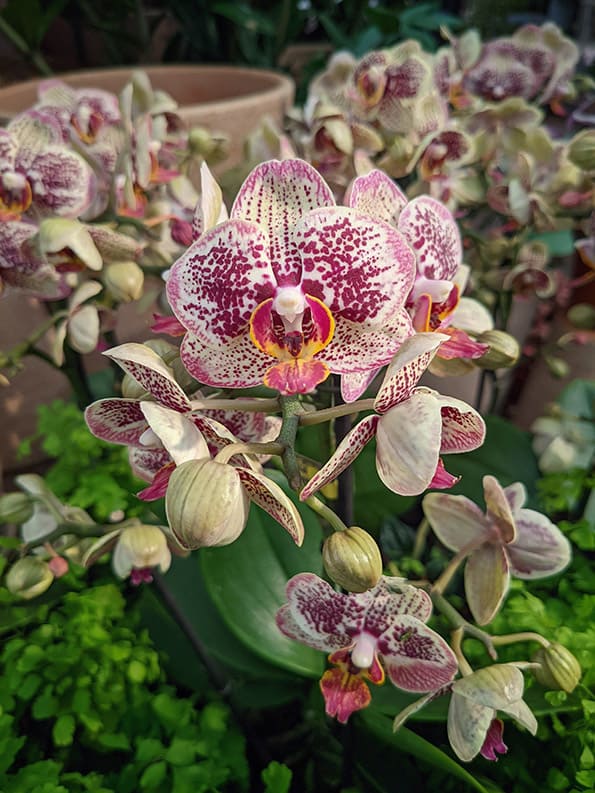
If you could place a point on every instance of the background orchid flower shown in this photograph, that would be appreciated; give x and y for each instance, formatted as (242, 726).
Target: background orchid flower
(137, 549)
(368, 634)
(413, 427)
(476, 698)
(22, 266)
(506, 540)
(81, 325)
(39, 175)
(290, 278)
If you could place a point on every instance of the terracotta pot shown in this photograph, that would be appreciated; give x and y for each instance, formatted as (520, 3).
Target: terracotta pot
(226, 99)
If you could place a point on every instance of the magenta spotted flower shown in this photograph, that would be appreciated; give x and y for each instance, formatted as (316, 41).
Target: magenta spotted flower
(367, 635)
(413, 427)
(291, 287)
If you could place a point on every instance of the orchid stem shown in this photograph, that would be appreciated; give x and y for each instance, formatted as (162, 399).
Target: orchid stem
(526, 636)
(326, 513)
(458, 621)
(451, 568)
(421, 537)
(456, 639)
(243, 405)
(328, 414)
(292, 411)
(229, 451)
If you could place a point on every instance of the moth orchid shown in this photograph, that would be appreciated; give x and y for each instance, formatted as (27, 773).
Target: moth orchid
(22, 266)
(475, 700)
(510, 540)
(381, 631)
(81, 112)
(291, 287)
(39, 176)
(431, 230)
(131, 423)
(138, 548)
(413, 427)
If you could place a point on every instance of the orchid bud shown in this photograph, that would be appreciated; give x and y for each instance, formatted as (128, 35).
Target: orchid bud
(558, 669)
(206, 504)
(124, 281)
(581, 150)
(582, 316)
(15, 508)
(504, 350)
(141, 548)
(558, 366)
(352, 559)
(29, 577)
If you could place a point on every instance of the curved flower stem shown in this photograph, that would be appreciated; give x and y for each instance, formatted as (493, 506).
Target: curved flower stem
(421, 537)
(225, 455)
(456, 639)
(79, 529)
(526, 636)
(326, 513)
(319, 416)
(292, 411)
(27, 347)
(451, 568)
(458, 621)
(243, 405)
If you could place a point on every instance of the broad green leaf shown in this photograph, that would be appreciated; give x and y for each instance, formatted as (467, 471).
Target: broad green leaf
(408, 742)
(247, 580)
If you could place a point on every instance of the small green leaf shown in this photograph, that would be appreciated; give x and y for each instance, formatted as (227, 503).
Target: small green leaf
(63, 730)
(45, 705)
(182, 751)
(277, 778)
(153, 776)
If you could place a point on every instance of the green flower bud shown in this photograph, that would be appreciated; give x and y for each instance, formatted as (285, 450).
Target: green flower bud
(504, 350)
(352, 559)
(29, 577)
(124, 281)
(15, 508)
(558, 669)
(582, 316)
(557, 366)
(581, 150)
(206, 504)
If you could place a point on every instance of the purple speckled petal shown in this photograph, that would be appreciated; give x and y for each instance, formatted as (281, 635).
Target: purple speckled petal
(318, 616)
(145, 462)
(415, 657)
(487, 578)
(354, 384)
(463, 429)
(270, 497)
(455, 520)
(178, 433)
(116, 420)
(540, 548)
(376, 194)
(34, 131)
(345, 454)
(275, 196)
(228, 364)
(361, 348)
(391, 599)
(361, 268)
(8, 149)
(408, 444)
(405, 369)
(152, 373)
(214, 287)
(61, 182)
(431, 230)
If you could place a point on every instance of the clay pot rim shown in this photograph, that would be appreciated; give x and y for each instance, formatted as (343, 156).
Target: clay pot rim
(273, 83)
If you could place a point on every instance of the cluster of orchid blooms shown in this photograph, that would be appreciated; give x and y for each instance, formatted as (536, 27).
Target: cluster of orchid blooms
(94, 188)
(287, 290)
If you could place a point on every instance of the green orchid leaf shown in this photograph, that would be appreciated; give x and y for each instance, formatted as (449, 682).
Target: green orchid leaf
(409, 743)
(246, 580)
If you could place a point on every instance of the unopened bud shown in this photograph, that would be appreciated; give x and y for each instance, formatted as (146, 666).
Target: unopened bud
(124, 281)
(557, 366)
(581, 150)
(29, 577)
(558, 669)
(582, 316)
(206, 504)
(352, 559)
(15, 508)
(504, 350)
(58, 566)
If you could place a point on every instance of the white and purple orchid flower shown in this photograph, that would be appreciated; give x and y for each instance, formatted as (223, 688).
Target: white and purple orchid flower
(413, 427)
(39, 175)
(506, 540)
(369, 634)
(291, 287)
